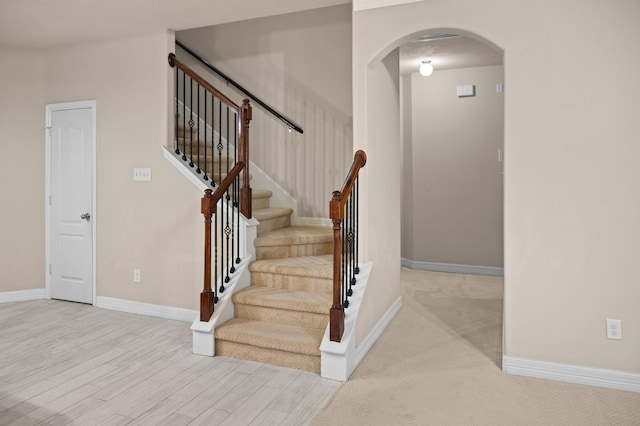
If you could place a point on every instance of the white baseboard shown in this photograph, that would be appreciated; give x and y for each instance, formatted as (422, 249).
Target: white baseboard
(453, 268)
(612, 379)
(339, 359)
(377, 330)
(23, 295)
(132, 307)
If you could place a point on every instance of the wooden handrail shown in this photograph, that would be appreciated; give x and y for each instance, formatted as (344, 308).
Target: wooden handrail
(336, 214)
(287, 121)
(359, 160)
(174, 62)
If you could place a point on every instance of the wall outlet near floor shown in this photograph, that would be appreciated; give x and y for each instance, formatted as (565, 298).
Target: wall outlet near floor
(614, 329)
(136, 275)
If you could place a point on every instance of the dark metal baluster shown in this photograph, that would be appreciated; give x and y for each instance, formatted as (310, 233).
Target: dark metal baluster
(352, 241)
(184, 116)
(351, 248)
(198, 171)
(215, 243)
(177, 89)
(213, 139)
(343, 285)
(222, 230)
(237, 197)
(220, 146)
(228, 231)
(206, 158)
(191, 123)
(357, 224)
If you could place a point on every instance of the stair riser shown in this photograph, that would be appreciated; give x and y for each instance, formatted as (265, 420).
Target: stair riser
(281, 316)
(297, 250)
(260, 203)
(292, 282)
(268, 356)
(268, 225)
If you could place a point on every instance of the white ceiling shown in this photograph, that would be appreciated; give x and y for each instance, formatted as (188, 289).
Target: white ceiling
(458, 52)
(47, 23)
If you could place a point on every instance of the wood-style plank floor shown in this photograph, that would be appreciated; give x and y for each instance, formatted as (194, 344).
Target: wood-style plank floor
(66, 363)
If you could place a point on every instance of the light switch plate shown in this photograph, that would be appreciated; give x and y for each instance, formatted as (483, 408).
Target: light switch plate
(142, 174)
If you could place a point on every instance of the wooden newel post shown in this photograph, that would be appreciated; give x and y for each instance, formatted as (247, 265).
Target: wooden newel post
(207, 297)
(336, 314)
(243, 152)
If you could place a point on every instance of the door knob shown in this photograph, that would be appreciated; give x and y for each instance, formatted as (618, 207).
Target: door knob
(86, 216)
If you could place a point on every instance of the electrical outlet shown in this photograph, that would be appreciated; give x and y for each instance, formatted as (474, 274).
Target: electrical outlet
(142, 174)
(614, 329)
(136, 275)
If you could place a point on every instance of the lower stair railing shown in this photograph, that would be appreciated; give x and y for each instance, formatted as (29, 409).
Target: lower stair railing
(212, 138)
(343, 212)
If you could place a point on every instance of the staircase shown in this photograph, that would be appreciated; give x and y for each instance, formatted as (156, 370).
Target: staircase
(281, 317)
(301, 281)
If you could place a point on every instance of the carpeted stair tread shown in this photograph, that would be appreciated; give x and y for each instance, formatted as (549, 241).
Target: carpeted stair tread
(293, 235)
(302, 266)
(261, 199)
(271, 213)
(260, 193)
(284, 299)
(282, 337)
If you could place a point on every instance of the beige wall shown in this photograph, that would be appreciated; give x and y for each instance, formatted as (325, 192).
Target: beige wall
(452, 181)
(300, 64)
(571, 165)
(21, 169)
(379, 191)
(154, 226)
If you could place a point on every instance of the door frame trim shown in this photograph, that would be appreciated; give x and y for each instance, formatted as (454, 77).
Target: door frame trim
(50, 108)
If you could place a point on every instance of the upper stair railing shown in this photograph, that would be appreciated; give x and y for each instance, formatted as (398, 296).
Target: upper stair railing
(212, 138)
(343, 211)
(228, 80)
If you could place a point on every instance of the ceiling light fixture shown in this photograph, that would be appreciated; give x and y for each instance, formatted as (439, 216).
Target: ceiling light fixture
(426, 69)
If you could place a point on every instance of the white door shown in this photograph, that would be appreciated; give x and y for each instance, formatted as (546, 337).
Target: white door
(71, 202)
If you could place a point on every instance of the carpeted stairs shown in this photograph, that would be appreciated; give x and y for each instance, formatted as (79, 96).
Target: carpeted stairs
(281, 318)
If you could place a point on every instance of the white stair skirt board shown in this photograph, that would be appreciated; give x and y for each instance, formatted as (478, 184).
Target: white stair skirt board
(23, 295)
(203, 332)
(453, 268)
(140, 308)
(188, 172)
(279, 197)
(600, 377)
(338, 360)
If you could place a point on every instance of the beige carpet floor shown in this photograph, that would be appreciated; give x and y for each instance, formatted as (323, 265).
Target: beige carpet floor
(438, 363)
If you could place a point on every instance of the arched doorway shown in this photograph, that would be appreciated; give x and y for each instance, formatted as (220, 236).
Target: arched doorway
(378, 127)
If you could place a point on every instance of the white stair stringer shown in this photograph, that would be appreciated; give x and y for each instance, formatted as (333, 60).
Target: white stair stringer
(338, 360)
(260, 179)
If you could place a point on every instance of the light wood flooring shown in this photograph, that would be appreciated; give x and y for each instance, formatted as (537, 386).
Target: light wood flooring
(65, 363)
